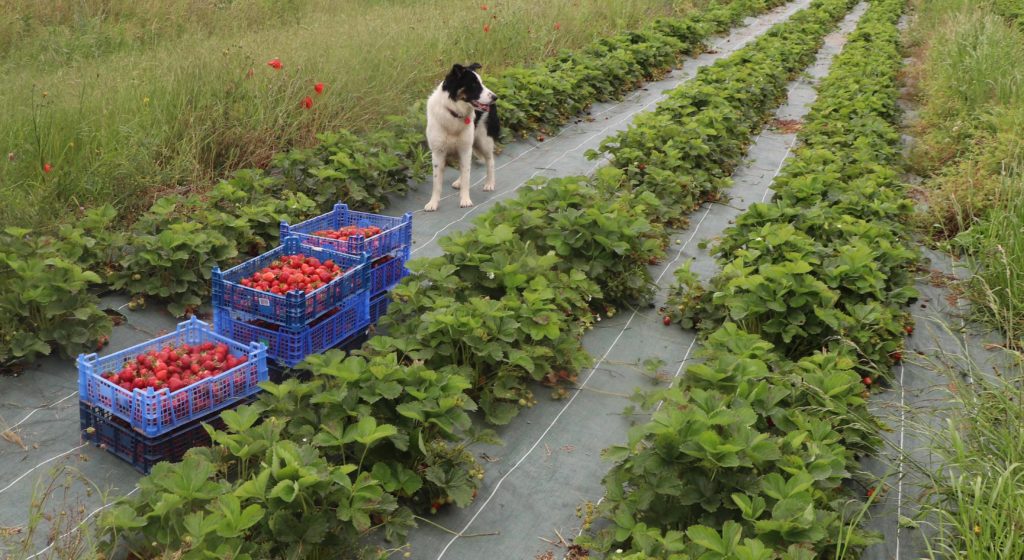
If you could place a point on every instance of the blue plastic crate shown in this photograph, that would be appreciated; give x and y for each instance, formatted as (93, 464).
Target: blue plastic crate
(116, 436)
(287, 346)
(154, 412)
(294, 309)
(396, 232)
(384, 274)
(379, 306)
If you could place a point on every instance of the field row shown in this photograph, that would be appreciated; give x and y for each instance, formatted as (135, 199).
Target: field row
(750, 454)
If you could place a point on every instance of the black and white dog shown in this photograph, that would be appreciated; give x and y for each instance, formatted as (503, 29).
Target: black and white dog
(462, 119)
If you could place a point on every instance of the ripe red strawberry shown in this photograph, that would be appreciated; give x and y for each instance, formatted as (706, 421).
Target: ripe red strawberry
(319, 87)
(666, 320)
(867, 380)
(909, 329)
(896, 356)
(275, 63)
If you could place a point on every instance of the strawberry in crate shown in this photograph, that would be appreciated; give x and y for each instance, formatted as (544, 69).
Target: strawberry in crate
(294, 272)
(343, 234)
(348, 231)
(175, 367)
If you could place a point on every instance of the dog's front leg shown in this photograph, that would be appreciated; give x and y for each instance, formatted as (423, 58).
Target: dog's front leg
(489, 184)
(465, 163)
(439, 161)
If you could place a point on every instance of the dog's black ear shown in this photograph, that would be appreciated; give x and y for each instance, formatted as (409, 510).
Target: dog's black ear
(475, 66)
(451, 81)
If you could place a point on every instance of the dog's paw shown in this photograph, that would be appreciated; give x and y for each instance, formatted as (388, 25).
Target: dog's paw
(489, 187)
(431, 206)
(455, 184)
(465, 203)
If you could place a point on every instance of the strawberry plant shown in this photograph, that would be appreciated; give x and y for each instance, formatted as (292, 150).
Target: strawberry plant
(45, 301)
(426, 459)
(248, 208)
(499, 343)
(174, 264)
(296, 505)
(611, 241)
(93, 242)
(314, 465)
(362, 171)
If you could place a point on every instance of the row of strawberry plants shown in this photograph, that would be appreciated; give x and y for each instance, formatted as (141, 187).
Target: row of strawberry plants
(506, 305)
(167, 253)
(685, 151)
(750, 453)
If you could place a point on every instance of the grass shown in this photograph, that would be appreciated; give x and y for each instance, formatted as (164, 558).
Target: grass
(971, 152)
(995, 248)
(976, 500)
(971, 149)
(126, 99)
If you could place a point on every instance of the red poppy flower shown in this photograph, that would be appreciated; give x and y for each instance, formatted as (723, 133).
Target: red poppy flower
(275, 63)
(483, 7)
(47, 168)
(319, 87)
(307, 102)
(250, 73)
(487, 27)
(558, 26)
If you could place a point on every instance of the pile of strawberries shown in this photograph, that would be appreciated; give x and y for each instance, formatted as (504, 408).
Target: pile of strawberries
(174, 368)
(348, 231)
(295, 272)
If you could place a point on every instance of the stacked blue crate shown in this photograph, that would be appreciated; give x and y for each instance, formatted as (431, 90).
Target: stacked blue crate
(146, 426)
(389, 250)
(295, 324)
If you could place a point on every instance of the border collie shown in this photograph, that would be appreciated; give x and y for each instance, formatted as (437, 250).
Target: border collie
(462, 119)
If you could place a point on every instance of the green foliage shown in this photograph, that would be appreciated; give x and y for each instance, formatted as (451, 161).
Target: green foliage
(610, 240)
(826, 261)
(45, 300)
(746, 455)
(686, 149)
(360, 170)
(313, 466)
(495, 311)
